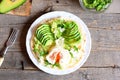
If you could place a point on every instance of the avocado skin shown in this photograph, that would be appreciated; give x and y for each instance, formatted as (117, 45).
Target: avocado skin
(8, 5)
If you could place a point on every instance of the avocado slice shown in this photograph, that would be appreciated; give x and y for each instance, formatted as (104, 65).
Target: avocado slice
(8, 5)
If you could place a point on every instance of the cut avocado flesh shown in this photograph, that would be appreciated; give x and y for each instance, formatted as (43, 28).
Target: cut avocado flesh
(8, 5)
(44, 35)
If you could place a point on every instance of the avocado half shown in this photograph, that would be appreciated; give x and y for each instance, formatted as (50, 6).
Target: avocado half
(8, 5)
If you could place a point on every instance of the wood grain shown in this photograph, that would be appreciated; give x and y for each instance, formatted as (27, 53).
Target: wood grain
(19, 60)
(81, 74)
(102, 64)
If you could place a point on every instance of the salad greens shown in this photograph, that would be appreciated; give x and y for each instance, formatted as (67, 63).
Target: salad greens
(46, 35)
(99, 5)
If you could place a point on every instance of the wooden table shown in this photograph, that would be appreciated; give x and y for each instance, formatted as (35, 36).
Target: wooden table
(102, 64)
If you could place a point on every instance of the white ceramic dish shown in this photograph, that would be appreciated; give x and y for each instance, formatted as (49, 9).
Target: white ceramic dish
(54, 15)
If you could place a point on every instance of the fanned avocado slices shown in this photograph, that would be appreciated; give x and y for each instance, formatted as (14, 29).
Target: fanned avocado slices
(8, 5)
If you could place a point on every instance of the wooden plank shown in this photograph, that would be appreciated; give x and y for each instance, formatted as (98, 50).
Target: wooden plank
(81, 74)
(103, 39)
(102, 64)
(97, 59)
(105, 42)
(16, 60)
(92, 20)
(39, 6)
(103, 58)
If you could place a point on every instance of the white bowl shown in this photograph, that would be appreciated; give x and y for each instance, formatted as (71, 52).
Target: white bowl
(54, 15)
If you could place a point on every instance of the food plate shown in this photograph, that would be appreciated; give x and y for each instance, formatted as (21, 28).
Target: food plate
(51, 15)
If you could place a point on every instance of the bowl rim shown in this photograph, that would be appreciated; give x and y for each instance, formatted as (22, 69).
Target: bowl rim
(50, 15)
(92, 10)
